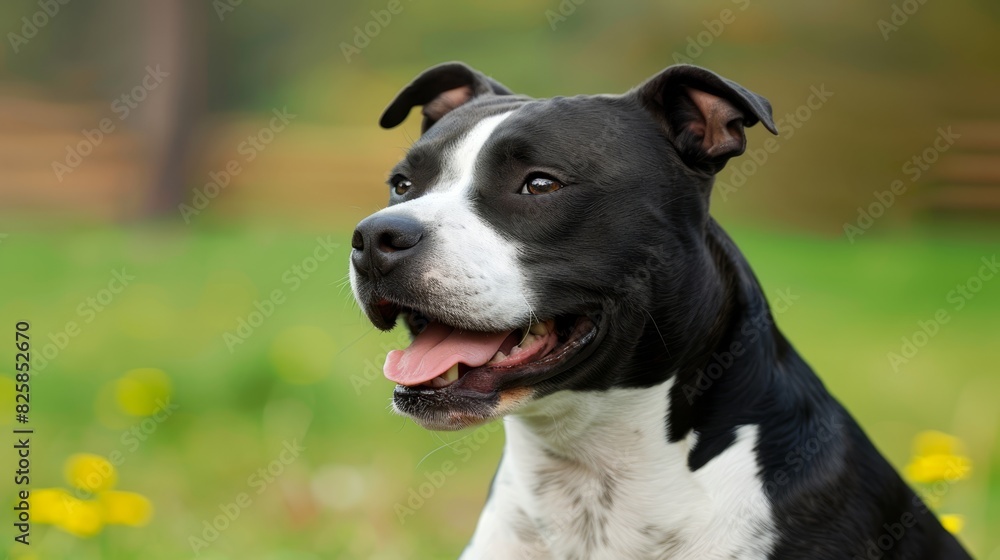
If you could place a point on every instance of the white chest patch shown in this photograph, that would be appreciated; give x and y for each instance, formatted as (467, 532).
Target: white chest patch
(591, 475)
(470, 271)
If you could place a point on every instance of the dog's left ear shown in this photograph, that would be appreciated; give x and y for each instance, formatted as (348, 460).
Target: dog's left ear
(439, 89)
(703, 113)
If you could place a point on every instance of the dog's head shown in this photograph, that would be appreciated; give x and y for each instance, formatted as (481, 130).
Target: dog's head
(529, 243)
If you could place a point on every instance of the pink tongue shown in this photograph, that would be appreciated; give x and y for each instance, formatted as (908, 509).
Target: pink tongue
(438, 348)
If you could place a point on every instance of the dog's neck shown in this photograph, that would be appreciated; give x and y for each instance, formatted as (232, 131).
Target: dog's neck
(719, 384)
(590, 429)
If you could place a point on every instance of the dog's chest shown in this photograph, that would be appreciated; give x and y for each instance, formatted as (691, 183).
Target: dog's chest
(612, 487)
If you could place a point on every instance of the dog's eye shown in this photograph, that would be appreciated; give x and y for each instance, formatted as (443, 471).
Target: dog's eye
(540, 184)
(400, 184)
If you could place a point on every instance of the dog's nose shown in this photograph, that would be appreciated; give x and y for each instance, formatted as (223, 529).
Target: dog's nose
(381, 242)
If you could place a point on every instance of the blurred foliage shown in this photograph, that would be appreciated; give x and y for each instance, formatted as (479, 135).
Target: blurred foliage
(265, 53)
(937, 69)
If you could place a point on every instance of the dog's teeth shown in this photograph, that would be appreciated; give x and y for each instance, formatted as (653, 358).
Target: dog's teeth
(438, 382)
(451, 375)
(498, 357)
(445, 379)
(540, 329)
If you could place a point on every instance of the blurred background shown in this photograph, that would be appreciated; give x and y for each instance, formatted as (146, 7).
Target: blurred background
(179, 180)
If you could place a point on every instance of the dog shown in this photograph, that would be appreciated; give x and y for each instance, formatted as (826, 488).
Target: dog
(556, 265)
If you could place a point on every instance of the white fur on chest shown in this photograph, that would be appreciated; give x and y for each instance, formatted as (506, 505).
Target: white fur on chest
(592, 476)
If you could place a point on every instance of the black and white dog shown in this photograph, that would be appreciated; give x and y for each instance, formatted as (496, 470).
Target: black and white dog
(556, 264)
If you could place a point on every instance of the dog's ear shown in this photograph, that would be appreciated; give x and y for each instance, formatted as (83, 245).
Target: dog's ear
(439, 89)
(703, 113)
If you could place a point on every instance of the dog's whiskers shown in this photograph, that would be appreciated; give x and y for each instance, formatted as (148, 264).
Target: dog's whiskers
(655, 326)
(532, 318)
(444, 444)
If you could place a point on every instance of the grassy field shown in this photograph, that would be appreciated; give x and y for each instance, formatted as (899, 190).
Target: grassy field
(308, 375)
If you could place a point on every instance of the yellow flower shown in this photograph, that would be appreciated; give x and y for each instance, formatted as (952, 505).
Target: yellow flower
(142, 391)
(55, 506)
(50, 505)
(937, 457)
(125, 508)
(84, 519)
(933, 442)
(89, 472)
(934, 468)
(953, 522)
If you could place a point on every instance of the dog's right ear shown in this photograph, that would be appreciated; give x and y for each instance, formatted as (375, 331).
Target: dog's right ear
(439, 89)
(703, 113)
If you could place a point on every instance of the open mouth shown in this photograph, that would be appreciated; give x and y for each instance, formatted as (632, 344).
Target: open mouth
(444, 359)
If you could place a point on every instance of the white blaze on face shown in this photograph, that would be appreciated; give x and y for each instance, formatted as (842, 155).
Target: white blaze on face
(467, 269)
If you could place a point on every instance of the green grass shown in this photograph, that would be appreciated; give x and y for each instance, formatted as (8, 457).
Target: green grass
(311, 372)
